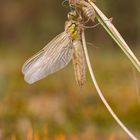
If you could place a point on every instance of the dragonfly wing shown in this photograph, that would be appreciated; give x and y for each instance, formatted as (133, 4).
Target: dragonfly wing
(53, 57)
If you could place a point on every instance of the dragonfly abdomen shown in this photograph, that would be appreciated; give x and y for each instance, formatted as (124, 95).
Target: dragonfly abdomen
(79, 63)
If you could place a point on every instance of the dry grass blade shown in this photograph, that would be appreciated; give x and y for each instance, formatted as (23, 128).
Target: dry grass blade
(112, 31)
(100, 92)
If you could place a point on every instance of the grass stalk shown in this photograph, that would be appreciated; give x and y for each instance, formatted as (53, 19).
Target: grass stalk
(115, 35)
(100, 92)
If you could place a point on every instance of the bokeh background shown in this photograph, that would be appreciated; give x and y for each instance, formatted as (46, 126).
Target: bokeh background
(55, 107)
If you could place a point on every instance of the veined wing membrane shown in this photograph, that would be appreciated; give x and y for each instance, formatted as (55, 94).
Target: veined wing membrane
(38, 55)
(53, 57)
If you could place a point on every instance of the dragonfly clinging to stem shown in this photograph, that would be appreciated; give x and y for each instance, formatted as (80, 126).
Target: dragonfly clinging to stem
(58, 53)
(71, 45)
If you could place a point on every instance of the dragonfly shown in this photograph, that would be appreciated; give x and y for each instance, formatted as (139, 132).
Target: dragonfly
(89, 9)
(58, 53)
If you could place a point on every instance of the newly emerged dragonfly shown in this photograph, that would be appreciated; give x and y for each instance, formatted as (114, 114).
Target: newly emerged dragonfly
(58, 53)
(90, 11)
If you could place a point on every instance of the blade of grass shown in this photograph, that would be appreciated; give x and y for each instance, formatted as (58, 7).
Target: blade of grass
(100, 92)
(112, 31)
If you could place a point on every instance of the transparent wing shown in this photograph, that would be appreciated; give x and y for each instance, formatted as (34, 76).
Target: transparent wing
(53, 57)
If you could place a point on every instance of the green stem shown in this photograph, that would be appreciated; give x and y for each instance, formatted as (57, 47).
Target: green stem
(112, 31)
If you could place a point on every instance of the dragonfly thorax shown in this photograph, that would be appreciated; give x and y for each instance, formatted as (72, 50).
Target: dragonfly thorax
(72, 28)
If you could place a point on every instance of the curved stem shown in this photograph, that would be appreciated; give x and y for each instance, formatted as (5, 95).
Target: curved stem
(100, 92)
(116, 36)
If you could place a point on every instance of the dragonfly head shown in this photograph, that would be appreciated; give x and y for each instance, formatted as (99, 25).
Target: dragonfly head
(73, 15)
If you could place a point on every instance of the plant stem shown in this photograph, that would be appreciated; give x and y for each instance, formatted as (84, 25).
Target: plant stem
(112, 31)
(100, 92)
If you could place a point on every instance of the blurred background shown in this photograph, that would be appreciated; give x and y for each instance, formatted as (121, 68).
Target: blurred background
(55, 107)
